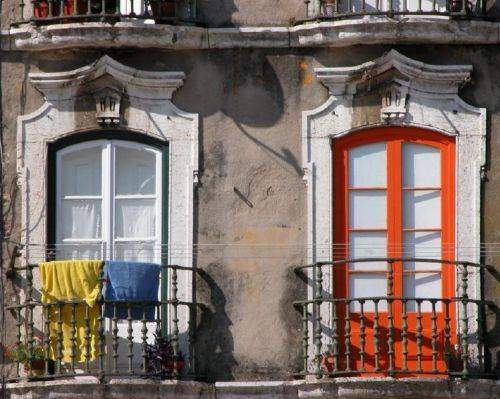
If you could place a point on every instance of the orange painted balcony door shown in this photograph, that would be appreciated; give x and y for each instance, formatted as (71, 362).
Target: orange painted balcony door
(394, 198)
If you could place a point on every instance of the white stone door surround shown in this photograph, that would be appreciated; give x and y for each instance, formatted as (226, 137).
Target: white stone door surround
(409, 93)
(143, 106)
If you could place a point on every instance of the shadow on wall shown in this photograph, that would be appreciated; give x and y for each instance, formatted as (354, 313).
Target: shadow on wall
(214, 343)
(492, 339)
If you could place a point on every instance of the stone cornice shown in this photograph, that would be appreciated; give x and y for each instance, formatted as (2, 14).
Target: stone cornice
(379, 30)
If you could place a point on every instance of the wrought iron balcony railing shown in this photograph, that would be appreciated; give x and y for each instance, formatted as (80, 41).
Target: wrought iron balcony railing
(65, 11)
(394, 334)
(341, 9)
(112, 338)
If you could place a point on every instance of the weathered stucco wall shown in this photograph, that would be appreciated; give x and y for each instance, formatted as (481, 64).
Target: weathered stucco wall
(250, 205)
(250, 12)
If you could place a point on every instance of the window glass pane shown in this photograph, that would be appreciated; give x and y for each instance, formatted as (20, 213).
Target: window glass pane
(79, 251)
(81, 219)
(368, 166)
(137, 252)
(81, 172)
(135, 218)
(367, 209)
(368, 244)
(422, 285)
(421, 166)
(422, 209)
(422, 244)
(367, 285)
(135, 171)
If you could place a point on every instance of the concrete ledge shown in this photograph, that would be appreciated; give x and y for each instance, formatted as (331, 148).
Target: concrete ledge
(359, 388)
(137, 34)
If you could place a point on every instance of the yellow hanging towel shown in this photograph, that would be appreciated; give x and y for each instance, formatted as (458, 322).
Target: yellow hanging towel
(72, 280)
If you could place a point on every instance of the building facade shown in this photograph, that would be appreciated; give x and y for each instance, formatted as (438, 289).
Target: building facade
(317, 180)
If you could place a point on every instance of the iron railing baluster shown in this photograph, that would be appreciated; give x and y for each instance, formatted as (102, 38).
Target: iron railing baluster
(59, 338)
(46, 337)
(318, 335)
(434, 336)
(419, 335)
(347, 333)
(73, 338)
(87, 338)
(335, 336)
(464, 321)
(362, 334)
(376, 335)
(175, 321)
(305, 339)
(404, 334)
(130, 339)
(114, 338)
(144, 338)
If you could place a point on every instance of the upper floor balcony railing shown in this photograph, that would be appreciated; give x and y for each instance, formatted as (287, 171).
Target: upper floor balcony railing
(341, 9)
(402, 333)
(121, 332)
(112, 11)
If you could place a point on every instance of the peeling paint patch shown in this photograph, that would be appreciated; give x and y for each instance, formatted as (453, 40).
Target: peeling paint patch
(305, 76)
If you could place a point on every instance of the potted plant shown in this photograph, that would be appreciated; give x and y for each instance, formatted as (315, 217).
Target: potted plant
(329, 8)
(160, 360)
(162, 8)
(454, 361)
(20, 354)
(42, 10)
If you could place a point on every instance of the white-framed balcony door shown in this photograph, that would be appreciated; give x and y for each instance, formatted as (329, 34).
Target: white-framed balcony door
(109, 206)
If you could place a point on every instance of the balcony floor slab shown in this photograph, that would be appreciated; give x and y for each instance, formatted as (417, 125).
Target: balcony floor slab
(342, 33)
(352, 388)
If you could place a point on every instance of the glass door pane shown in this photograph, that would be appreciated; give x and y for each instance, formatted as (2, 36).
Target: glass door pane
(79, 227)
(367, 221)
(136, 233)
(137, 202)
(421, 222)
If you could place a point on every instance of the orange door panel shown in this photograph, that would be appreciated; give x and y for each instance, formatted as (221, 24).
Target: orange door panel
(394, 191)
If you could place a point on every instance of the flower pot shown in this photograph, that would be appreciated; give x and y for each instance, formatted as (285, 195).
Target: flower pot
(37, 367)
(327, 363)
(163, 9)
(456, 5)
(42, 9)
(329, 9)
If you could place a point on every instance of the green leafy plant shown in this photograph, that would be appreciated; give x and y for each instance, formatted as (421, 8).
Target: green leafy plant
(20, 353)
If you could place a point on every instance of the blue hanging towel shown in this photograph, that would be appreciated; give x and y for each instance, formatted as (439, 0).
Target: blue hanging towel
(131, 281)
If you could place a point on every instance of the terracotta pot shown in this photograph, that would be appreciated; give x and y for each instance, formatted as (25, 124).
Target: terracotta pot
(163, 9)
(37, 367)
(42, 8)
(180, 366)
(456, 5)
(327, 364)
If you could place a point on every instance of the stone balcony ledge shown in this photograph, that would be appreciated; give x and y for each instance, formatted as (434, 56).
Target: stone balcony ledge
(359, 388)
(137, 34)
